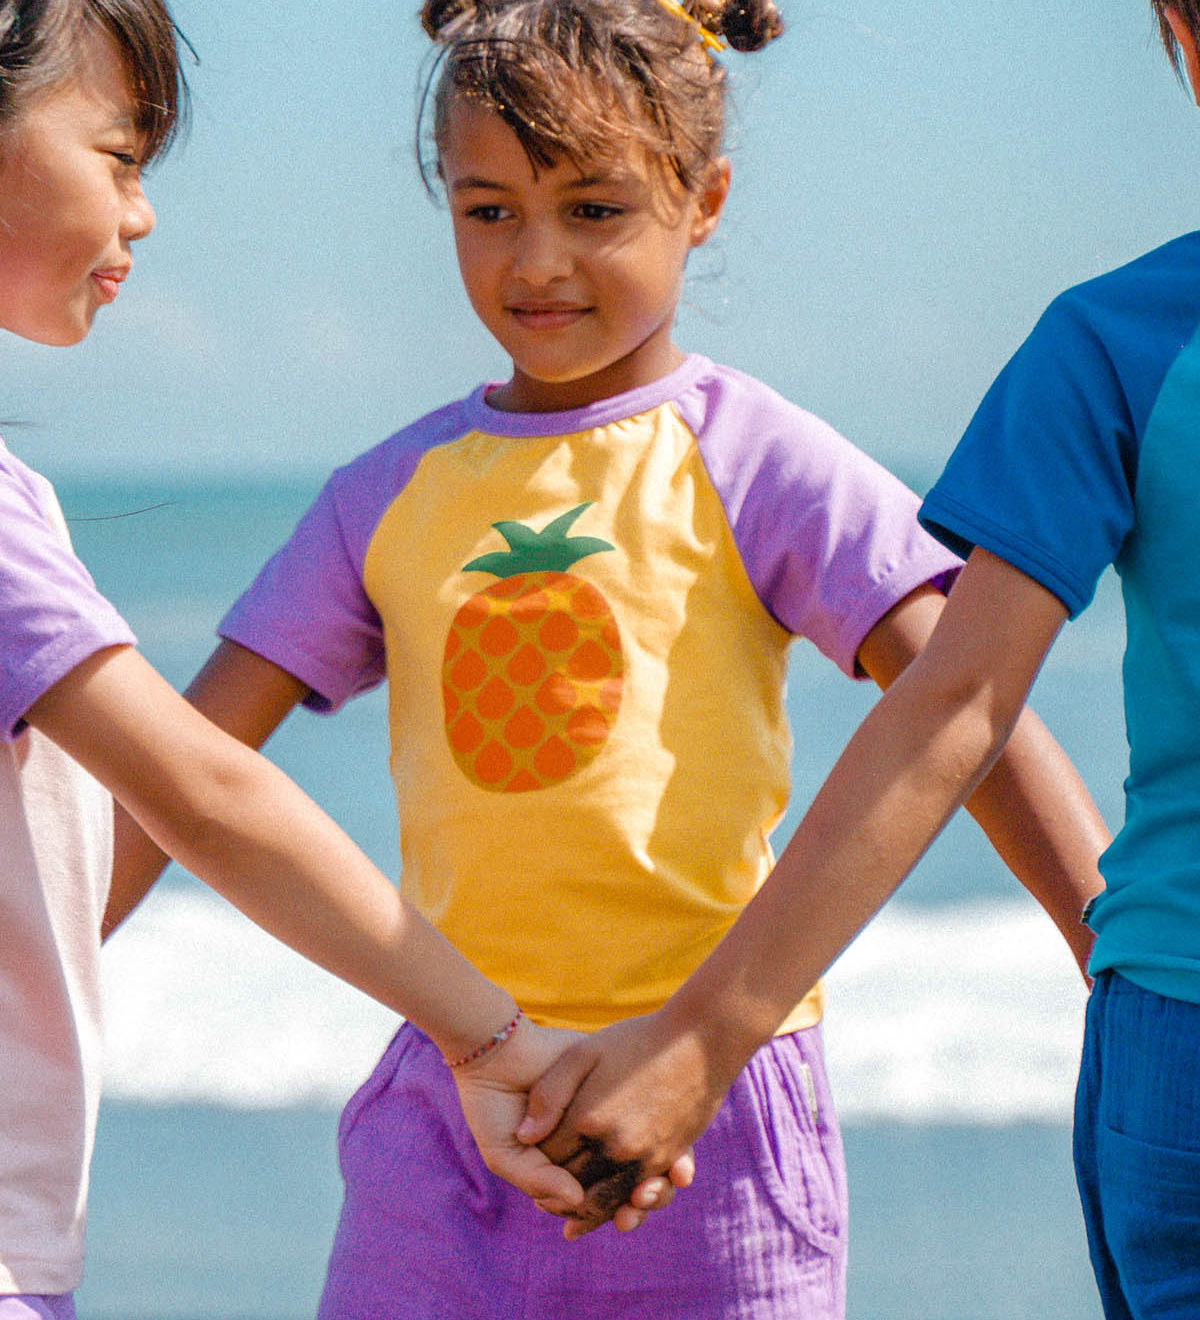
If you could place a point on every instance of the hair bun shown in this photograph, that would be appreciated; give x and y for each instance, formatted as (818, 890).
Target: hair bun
(749, 25)
(439, 15)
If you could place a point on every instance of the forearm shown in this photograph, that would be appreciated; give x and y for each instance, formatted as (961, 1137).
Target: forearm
(244, 695)
(243, 827)
(137, 863)
(1042, 821)
(918, 755)
(913, 761)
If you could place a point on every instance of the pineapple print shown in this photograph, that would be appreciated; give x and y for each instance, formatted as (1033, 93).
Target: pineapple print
(533, 671)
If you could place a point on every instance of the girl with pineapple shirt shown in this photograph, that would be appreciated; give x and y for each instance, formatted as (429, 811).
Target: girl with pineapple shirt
(581, 585)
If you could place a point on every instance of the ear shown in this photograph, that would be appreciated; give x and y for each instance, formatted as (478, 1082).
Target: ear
(710, 201)
(1187, 45)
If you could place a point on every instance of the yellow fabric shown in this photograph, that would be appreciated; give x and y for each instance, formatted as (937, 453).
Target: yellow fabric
(593, 896)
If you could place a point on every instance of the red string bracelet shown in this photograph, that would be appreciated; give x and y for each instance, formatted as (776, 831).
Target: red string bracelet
(498, 1039)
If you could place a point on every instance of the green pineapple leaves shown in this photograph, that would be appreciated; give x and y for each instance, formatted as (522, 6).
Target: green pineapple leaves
(550, 550)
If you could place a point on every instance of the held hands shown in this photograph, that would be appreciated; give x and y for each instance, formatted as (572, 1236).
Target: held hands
(493, 1093)
(621, 1104)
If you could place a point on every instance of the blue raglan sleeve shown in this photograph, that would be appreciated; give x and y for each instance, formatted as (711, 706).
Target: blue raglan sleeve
(1044, 475)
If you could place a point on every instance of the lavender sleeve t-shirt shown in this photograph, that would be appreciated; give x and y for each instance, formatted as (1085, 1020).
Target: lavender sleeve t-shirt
(51, 614)
(829, 538)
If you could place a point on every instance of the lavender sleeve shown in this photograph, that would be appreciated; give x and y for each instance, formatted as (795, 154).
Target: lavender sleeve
(52, 616)
(829, 538)
(307, 610)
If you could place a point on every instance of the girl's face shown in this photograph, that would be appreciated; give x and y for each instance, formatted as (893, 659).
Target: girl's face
(71, 200)
(575, 270)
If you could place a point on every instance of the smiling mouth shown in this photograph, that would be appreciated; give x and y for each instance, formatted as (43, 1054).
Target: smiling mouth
(109, 282)
(548, 317)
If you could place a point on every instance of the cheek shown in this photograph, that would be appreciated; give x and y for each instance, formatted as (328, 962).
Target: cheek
(475, 263)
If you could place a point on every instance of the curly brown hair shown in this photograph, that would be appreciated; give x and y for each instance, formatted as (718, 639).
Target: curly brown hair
(39, 43)
(577, 78)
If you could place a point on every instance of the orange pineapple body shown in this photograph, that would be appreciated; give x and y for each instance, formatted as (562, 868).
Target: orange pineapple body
(532, 673)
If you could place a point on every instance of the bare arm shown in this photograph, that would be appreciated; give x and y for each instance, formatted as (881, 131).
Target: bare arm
(1033, 806)
(248, 697)
(242, 826)
(652, 1084)
(245, 695)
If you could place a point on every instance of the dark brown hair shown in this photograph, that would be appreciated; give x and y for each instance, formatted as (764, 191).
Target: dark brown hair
(1189, 11)
(39, 45)
(575, 78)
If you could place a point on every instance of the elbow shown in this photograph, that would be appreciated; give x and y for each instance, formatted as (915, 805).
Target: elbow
(967, 705)
(194, 816)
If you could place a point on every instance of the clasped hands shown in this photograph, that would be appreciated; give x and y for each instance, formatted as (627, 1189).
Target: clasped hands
(594, 1127)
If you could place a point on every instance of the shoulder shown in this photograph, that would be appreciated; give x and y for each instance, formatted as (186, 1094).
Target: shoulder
(21, 486)
(721, 398)
(358, 493)
(1137, 317)
(757, 445)
(390, 464)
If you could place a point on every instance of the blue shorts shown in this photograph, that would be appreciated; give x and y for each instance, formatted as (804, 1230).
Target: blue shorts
(37, 1308)
(427, 1233)
(1137, 1150)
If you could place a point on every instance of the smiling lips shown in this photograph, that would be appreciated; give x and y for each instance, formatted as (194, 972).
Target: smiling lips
(546, 316)
(109, 281)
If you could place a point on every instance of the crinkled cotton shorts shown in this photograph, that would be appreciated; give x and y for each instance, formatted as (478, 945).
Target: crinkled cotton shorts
(37, 1308)
(427, 1233)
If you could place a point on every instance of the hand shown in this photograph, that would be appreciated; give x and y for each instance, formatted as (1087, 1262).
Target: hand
(492, 1092)
(622, 1104)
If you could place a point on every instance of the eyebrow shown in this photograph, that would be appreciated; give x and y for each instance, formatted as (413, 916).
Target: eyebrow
(472, 181)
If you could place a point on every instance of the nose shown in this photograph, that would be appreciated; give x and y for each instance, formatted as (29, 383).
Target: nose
(139, 217)
(542, 254)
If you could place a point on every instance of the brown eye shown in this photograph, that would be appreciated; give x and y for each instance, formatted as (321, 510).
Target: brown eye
(597, 210)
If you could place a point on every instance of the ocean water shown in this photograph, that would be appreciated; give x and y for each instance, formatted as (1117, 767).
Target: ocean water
(952, 1032)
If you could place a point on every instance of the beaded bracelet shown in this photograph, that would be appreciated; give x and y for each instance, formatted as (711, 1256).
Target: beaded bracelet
(498, 1039)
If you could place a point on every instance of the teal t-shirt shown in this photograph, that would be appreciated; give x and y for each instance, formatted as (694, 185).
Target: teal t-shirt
(1086, 452)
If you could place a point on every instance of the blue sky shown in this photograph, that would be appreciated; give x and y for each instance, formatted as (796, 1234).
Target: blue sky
(911, 186)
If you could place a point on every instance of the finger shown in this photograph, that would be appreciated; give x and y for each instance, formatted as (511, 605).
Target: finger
(576, 1228)
(551, 1094)
(683, 1171)
(627, 1219)
(652, 1194)
(553, 1188)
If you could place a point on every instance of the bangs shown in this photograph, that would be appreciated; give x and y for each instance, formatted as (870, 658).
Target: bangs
(149, 42)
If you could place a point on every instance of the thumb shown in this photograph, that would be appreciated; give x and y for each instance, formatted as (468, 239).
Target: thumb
(550, 1187)
(551, 1094)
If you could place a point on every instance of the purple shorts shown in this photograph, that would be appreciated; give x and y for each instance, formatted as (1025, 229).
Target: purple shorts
(427, 1233)
(38, 1308)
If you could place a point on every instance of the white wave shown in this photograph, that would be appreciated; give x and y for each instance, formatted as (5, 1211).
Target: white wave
(968, 1013)
(971, 1014)
(203, 1007)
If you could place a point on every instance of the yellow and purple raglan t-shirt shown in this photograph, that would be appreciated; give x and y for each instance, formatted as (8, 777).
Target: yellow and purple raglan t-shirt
(584, 620)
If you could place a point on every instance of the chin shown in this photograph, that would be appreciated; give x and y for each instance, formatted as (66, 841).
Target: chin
(63, 336)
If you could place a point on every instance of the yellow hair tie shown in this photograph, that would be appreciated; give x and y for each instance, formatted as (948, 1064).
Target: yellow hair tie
(709, 39)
